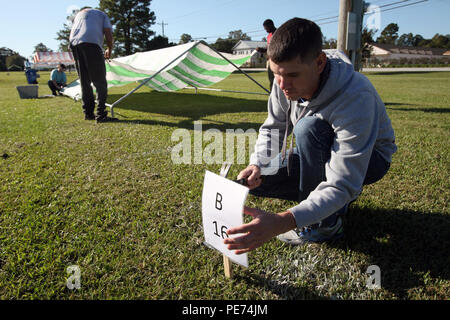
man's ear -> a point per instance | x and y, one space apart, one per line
321 61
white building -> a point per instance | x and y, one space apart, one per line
391 52
247 47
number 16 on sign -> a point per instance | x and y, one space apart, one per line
222 208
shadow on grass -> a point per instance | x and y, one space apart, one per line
405 245
284 290
432 110
189 124
398 104
393 73
191 106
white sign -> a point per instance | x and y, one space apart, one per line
222 208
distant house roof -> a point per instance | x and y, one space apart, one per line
389 48
14 67
249 45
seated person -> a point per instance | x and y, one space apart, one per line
58 79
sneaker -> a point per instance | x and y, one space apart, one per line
89 117
313 234
105 119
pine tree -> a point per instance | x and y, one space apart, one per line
131 20
63 35
40 47
389 35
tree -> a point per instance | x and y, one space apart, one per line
5 53
329 43
185 38
406 40
131 20
440 41
159 42
63 35
424 42
389 35
417 40
40 47
366 41
238 35
226 45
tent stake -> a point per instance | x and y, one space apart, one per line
227 264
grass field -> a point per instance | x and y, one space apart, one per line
108 198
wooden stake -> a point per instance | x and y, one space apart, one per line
228 267
227 264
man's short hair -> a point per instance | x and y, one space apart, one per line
63 66
296 37
268 23
85 7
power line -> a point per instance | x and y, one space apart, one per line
163 24
199 10
382 6
405 5
392 3
334 17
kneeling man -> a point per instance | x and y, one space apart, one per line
343 140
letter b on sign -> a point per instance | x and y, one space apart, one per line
218 201
374 280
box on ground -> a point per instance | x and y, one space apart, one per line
28 92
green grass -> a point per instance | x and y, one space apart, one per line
108 198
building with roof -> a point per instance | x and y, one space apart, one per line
384 52
258 60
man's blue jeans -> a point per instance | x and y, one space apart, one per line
314 138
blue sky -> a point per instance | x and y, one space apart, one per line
23 24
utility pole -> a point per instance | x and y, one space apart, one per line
344 8
351 14
163 24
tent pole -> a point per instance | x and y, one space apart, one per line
147 80
239 69
222 90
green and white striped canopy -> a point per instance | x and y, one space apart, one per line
191 64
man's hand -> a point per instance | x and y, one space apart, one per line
253 175
261 229
109 42
107 54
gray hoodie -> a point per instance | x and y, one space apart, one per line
353 108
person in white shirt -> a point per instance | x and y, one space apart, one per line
89 28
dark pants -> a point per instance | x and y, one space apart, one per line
52 87
314 138
90 64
